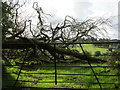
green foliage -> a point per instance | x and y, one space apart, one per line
118 46
114 59
97 53
7 22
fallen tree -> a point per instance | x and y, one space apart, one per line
30 43
44 34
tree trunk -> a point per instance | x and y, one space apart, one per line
25 43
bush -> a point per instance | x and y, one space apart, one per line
114 59
97 53
105 54
110 49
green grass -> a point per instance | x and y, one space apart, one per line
90 48
69 81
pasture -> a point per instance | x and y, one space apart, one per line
69 81
35 76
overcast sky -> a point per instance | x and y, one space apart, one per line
79 9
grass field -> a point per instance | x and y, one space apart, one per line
90 48
70 81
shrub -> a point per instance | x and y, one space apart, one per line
110 49
97 53
114 59
105 54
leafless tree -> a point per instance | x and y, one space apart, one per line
67 32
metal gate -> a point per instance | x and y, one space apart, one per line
56 73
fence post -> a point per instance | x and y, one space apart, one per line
55 65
